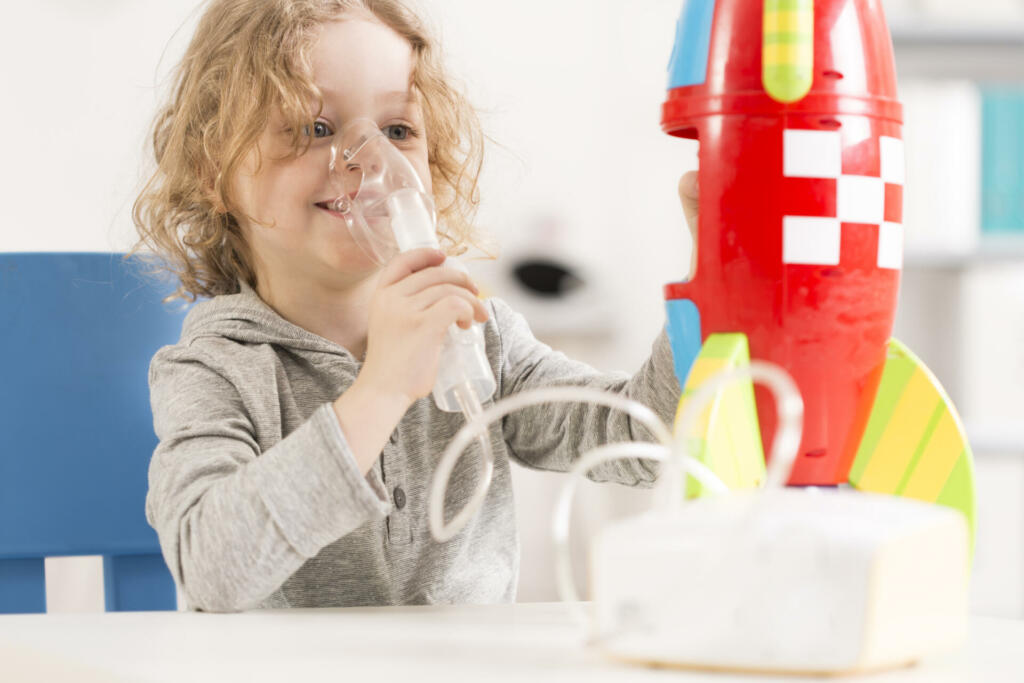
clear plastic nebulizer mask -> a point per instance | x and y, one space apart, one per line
379 193
388 210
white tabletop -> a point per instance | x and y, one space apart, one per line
525 641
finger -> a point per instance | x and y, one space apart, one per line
432 295
409 262
688 185
451 310
689 195
429 277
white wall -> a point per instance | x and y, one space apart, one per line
80 81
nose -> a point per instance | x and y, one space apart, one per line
352 179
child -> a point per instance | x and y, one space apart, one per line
297 434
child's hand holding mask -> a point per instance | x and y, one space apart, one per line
416 301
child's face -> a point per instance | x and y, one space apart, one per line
363 69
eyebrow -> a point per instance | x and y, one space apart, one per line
404 96
393 95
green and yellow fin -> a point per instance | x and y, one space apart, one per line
726 437
915 445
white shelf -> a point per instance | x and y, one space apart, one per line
979 53
989 438
992 249
929 36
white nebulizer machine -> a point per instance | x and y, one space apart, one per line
778 580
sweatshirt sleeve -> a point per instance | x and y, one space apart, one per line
553 436
235 523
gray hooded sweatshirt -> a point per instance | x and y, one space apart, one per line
256 496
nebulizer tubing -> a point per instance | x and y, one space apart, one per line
789 407
477 428
387 209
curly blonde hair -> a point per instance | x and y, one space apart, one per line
246 59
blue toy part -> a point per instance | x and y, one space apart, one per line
688 64
76 431
683 328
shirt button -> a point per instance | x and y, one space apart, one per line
399 496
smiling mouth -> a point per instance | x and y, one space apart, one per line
328 207
377 217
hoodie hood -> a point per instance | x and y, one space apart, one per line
246 318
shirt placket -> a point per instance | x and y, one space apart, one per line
399 525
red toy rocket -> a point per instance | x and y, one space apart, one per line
799 243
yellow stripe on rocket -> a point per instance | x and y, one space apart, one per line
787 56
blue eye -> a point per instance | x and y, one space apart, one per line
320 130
398 132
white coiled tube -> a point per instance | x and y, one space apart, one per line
669 450
476 427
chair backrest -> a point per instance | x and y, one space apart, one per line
77 332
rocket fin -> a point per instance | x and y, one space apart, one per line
726 437
915 445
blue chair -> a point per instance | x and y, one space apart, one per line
77 332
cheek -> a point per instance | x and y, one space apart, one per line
419 156
255 194
242 191
423 170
